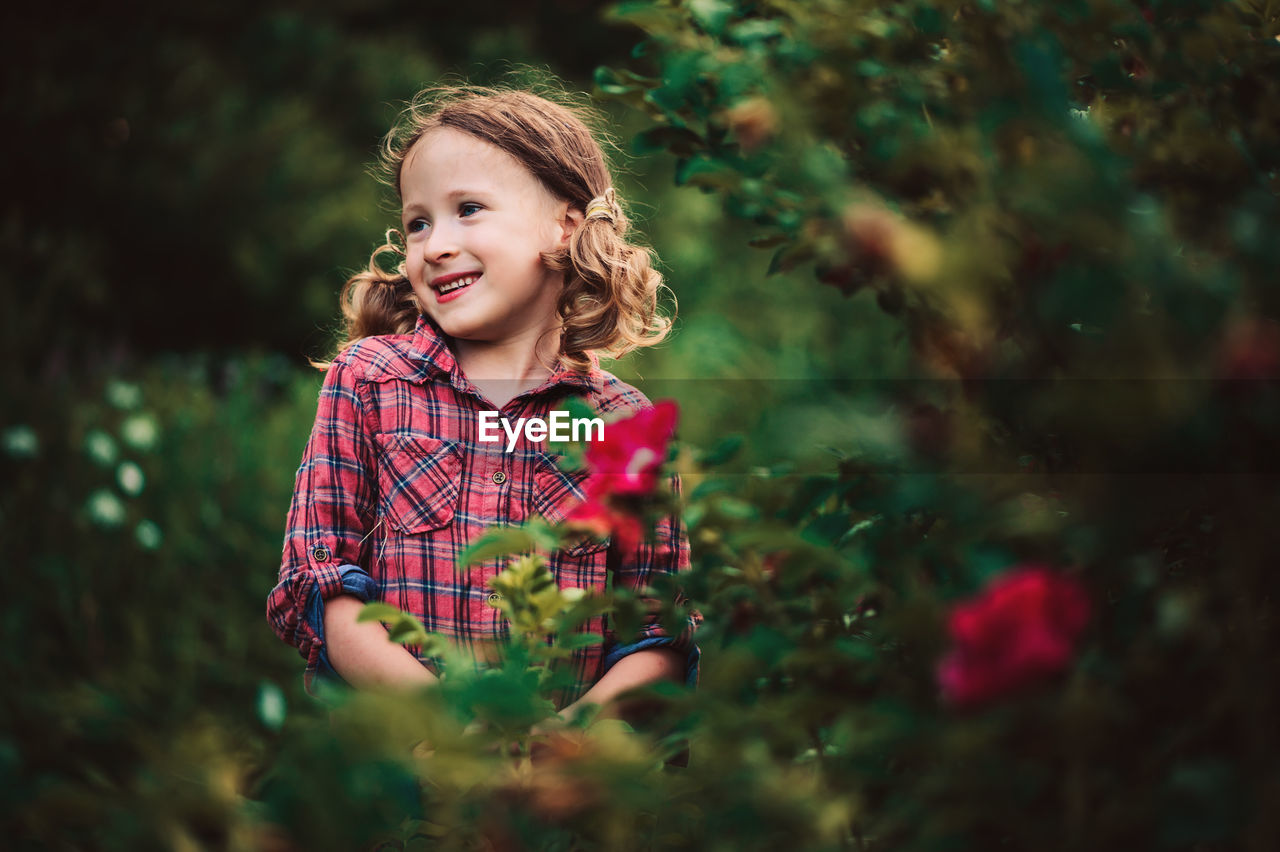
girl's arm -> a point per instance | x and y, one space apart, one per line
634 670
333 509
652 655
362 654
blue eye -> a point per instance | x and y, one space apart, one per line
416 225
468 206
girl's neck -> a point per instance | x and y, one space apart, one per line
504 370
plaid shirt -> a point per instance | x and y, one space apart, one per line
394 484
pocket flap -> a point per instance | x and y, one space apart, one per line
420 478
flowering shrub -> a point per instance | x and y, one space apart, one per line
1041 198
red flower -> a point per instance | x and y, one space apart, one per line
1021 629
629 458
624 470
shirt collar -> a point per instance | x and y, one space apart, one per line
430 346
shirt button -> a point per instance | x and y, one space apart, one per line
495 598
321 553
499 477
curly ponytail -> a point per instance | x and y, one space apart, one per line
375 301
610 298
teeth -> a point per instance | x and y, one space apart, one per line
458 284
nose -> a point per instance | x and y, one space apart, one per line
440 244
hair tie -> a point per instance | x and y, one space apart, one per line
603 206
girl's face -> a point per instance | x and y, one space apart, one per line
475 222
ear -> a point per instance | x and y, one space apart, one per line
569 220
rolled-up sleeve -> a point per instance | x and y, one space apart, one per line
328 523
666 553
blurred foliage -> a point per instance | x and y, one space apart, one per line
1066 208
137 515
1011 301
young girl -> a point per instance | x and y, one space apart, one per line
516 271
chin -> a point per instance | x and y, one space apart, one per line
462 330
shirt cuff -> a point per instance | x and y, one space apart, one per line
691 661
355 581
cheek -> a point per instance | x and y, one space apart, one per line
416 271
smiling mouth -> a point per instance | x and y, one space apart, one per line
457 284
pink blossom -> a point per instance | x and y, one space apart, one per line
1021 629
630 457
624 470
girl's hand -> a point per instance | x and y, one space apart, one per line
550 725
556 735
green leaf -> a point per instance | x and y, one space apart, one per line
407 632
731 507
578 408
545 538
626 87
680 141
571 454
859 527
401 626
789 257
707 174
380 612
574 641
711 15
708 487
826 529
724 450
495 542
754 30
650 17
768 241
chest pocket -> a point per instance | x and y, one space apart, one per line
556 493
419 477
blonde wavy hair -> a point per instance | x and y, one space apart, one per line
610 299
